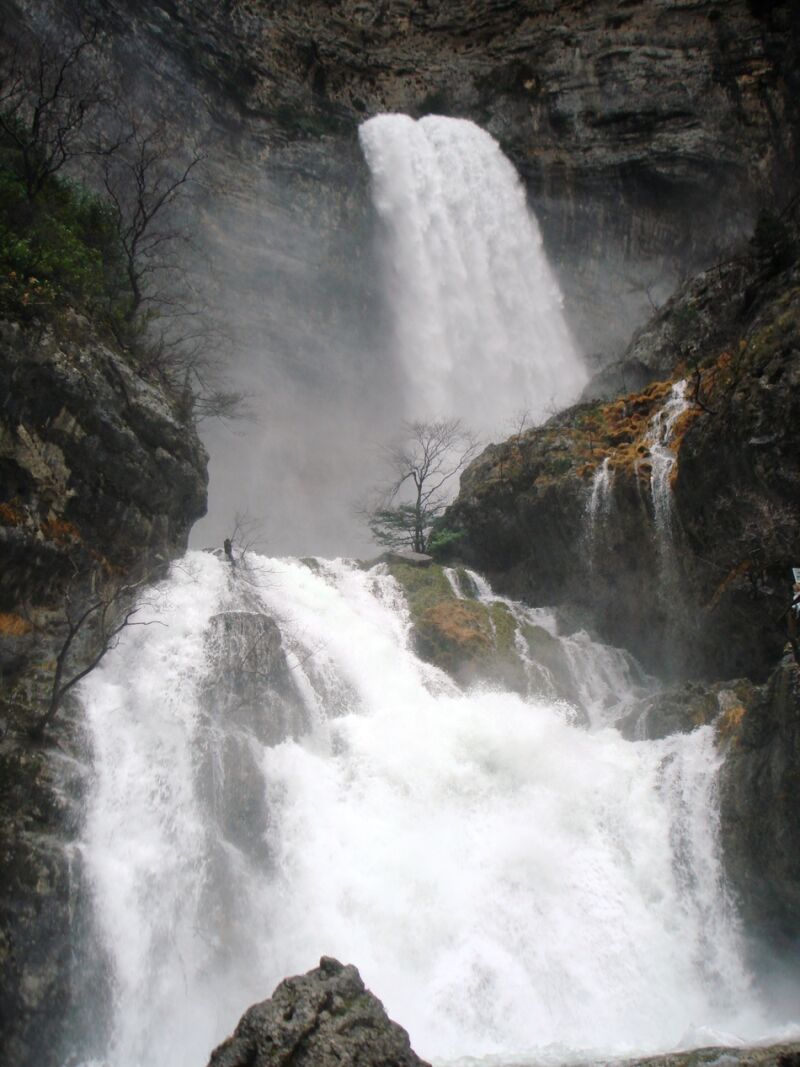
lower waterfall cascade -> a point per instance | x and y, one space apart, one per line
512 884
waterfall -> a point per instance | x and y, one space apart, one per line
663 458
599 504
510 884
477 311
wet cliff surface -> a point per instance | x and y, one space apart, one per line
705 596
101 481
691 572
648 135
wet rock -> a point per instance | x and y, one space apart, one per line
707 600
100 479
783 1055
471 641
646 137
759 786
325 1018
250 701
682 708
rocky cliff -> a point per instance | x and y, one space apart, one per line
101 480
570 511
669 518
648 134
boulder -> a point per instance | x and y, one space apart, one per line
325 1018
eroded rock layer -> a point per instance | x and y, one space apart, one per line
100 481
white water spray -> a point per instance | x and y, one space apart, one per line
477 310
508 884
663 458
598 506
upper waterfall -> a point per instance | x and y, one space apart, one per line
477 311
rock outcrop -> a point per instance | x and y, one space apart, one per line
325 1018
482 643
759 786
100 481
783 1055
566 512
647 137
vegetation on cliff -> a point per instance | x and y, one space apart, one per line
719 610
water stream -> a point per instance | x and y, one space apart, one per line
663 458
477 310
511 883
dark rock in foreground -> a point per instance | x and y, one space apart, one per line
323 1018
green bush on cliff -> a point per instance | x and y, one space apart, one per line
56 250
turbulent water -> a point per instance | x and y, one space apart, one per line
479 326
509 882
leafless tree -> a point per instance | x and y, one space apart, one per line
97 620
424 466
143 180
47 91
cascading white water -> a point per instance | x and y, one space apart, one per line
477 310
598 505
508 883
663 458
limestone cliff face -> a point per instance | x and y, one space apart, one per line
648 133
101 480
708 598
565 514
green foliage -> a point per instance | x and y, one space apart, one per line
400 527
57 249
443 542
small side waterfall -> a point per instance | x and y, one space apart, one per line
477 310
598 505
663 458
510 884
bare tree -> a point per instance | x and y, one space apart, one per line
47 91
98 620
143 180
424 467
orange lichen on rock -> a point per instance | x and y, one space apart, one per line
626 422
14 625
730 577
460 625
60 530
10 515
729 722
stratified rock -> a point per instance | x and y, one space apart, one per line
93 459
759 787
325 1018
783 1055
648 135
680 709
99 476
707 600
